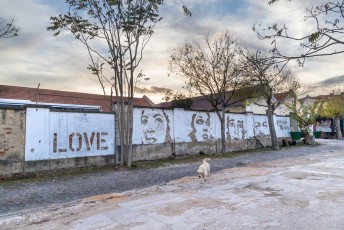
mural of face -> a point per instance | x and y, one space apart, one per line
259 128
282 124
154 127
201 127
324 125
235 129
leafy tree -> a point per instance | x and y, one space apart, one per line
269 79
334 108
8 29
115 33
305 114
178 100
326 38
211 69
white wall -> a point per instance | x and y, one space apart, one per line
157 126
57 135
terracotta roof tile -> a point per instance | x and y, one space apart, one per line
62 97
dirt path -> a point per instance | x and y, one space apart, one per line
304 192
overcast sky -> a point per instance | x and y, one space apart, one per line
60 63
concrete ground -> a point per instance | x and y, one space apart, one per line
295 193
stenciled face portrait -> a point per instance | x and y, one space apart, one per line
201 127
282 124
154 127
259 128
235 129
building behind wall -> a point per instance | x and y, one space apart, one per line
43 96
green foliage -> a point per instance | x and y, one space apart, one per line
305 113
333 107
326 16
314 36
182 103
178 100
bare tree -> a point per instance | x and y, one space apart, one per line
326 39
8 29
269 78
115 34
210 68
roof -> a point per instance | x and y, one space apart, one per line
64 97
281 97
201 103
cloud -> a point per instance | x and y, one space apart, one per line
151 90
60 62
333 81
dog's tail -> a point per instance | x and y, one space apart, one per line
206 159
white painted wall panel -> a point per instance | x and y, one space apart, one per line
81 134
260 125
56 135
236 126
152 126
282 126
249 125
179 126
37 136
200 126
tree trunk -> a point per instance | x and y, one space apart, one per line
338 129
130 131
223 133
122 132
273 135
309 139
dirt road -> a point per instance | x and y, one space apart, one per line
300 192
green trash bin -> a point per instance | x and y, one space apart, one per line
317 134
295 135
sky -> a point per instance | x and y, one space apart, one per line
60 63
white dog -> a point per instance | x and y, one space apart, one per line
204 169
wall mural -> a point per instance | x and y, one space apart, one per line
155 126
158 126
282 126
201 127
260 126
323 125
235 127
59 135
